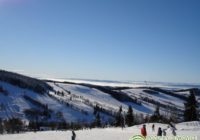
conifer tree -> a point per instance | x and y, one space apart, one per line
98 120
119 118
190 113
130 117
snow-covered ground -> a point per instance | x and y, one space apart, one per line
14 104
75 102
94 96
184 129
81 101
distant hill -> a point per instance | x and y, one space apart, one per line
48 100
24 81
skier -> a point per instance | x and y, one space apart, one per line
144 131
153 127
159 132
73 135
164 132
173 131
173 127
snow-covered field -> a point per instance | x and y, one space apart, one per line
76 102
81 101
184 129
14 104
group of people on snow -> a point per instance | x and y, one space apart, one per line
161 132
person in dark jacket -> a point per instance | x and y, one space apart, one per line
153 127
73 135
144 131
159 132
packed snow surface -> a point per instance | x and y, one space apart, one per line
184 129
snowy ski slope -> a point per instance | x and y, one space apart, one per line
191 129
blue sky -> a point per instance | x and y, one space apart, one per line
145 40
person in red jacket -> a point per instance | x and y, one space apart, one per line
144 131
